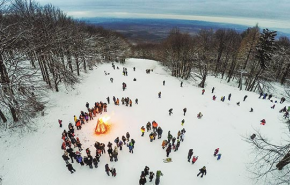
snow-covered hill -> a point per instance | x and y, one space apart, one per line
35 158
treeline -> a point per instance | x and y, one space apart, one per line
252 58
40 48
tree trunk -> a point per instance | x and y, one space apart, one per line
13 113
85 65
204 74
3 117
78 65
284 161
69 61
286 72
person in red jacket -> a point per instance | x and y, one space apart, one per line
263 122
194 159
216 151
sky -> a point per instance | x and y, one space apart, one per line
267 13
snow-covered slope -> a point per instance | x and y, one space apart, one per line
35 158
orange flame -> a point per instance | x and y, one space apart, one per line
102 125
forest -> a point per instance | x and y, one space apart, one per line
40 48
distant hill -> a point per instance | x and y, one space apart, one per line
155 30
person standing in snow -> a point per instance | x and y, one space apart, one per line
194 159
113 172
169 137
216 151
273 106
203 90
164 143
251 109
158 175
182 122
142 180
65 157
159 95
170 111
115 154
245 97
212 90
142 130
181 83
219 156
159 132
108 100
168 150
107 169
70 167
229 97
199 115
136 101
131 147
261 94
60 123
184 111
202 171
214 97
282 100
163 82
148 126
151 176
128 136
190 153
177 145
263 122
71 154
146 170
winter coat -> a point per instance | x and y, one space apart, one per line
65 157
154 124
190 152
168 149
69 167
164 143
142 129
203 170
158 174
159 130
142 181
79 158
107 168
194 159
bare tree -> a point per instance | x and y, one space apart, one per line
271 163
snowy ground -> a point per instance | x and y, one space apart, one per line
35 158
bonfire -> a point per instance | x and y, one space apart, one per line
102 125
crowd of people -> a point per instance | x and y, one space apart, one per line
72 145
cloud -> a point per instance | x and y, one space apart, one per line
267 13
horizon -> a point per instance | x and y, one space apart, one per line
265 13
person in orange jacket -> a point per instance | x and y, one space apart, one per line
130 103
154 125
78 125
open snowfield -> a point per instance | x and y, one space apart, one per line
35 158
